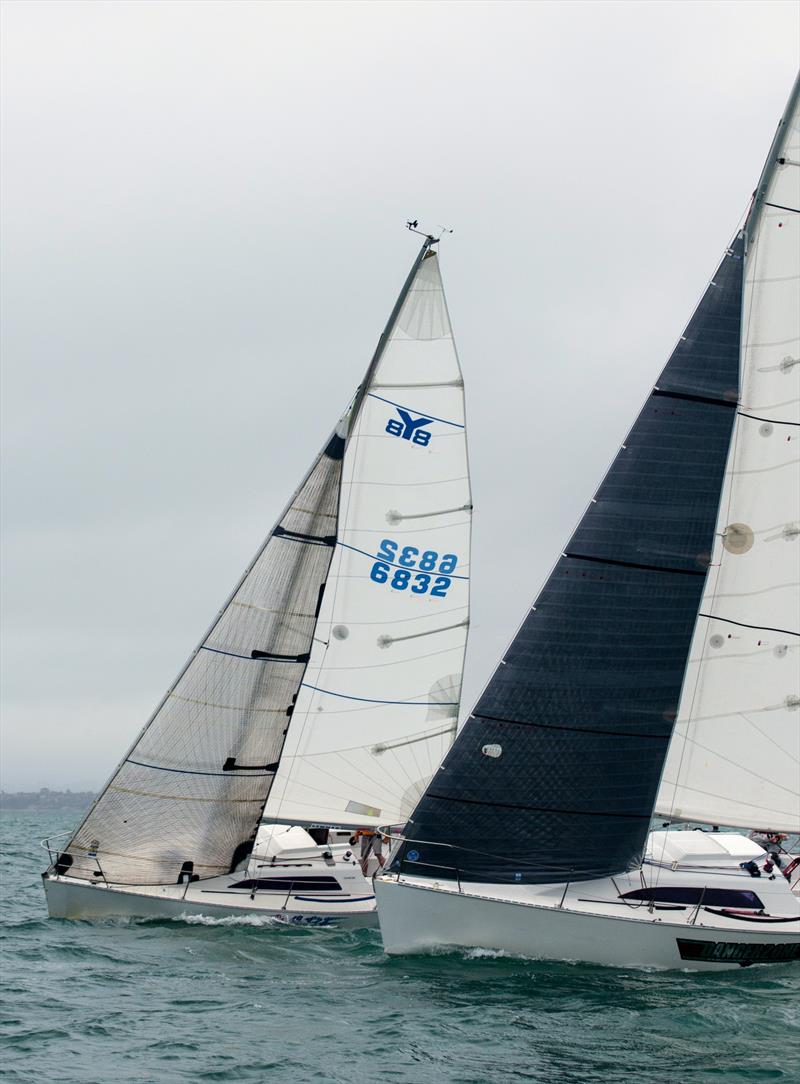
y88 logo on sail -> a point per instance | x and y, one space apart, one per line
412 569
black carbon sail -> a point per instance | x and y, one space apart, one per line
554 775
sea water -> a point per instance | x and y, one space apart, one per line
241 1001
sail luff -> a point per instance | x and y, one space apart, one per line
387 331
771 162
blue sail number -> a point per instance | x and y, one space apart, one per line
399 569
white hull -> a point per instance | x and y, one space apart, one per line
591 922
68 898
289 879
416 918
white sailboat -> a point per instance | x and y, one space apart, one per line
656 672
326 691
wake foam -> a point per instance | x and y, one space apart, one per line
230 920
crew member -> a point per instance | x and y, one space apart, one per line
371 843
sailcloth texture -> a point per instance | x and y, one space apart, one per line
735 756
554 775
333 672
193 786
379 703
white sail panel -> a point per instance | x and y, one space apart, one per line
187 798
734 757
378 707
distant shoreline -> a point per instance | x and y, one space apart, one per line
46 801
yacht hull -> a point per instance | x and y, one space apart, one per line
418 917
72 899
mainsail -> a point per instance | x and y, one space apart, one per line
368 562
554 775
734 758
378 707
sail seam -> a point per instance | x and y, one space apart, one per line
635 564
370 700
711 400
771 421
781 207
250 658
394 485
188 771
227 707
742 625
422 413
433 384
383 561
541 808
575 729
180 798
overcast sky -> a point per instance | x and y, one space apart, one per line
203 208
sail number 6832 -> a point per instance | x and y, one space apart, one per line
415 569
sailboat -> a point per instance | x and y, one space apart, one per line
326 690
656 672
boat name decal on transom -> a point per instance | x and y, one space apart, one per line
720 952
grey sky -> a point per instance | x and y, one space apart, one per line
202 238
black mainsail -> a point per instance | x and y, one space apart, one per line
554 775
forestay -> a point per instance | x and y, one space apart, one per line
735 756
379 702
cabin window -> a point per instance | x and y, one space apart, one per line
284 884
714 897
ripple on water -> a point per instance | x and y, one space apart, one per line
171 1001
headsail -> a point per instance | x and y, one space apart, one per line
379 703
188 797
554 775
192 787
735 756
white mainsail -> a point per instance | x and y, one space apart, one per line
734 758
378 706
360 590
